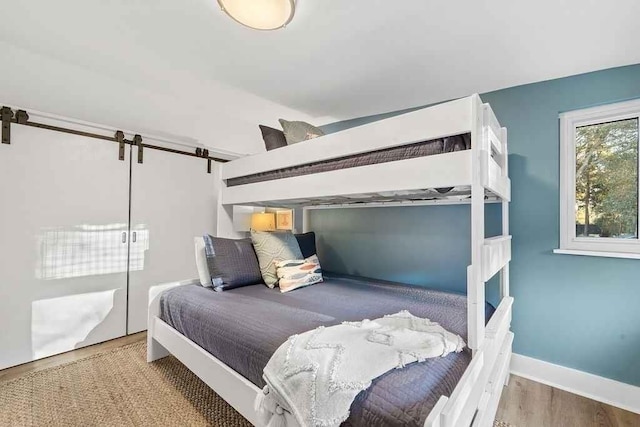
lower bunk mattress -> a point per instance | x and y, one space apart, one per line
243 327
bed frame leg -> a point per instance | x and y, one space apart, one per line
155 350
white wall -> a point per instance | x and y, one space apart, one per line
170 102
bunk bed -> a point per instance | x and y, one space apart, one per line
397 161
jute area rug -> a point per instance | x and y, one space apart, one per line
116 388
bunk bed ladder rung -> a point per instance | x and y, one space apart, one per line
496 254
493 178
493 159
501 319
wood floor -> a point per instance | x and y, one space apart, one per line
527 403
524 403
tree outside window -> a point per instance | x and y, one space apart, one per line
606 187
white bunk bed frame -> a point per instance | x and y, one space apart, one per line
483 169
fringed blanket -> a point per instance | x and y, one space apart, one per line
315 376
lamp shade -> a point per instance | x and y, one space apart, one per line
260 14
263 221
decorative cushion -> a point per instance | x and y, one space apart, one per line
273 138
271 247
232 263
299 131
201 262
294 274
307 242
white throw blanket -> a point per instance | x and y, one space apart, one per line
315 376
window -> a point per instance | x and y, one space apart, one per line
599 187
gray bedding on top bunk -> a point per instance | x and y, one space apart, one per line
243 327
420 149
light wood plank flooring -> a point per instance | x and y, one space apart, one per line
527 403
524 403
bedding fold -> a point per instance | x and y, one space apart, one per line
316 375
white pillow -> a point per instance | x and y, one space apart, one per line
201 263
296 273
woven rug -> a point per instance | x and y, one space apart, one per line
116 388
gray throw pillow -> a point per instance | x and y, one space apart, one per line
232 263
273 138
299 131
271 247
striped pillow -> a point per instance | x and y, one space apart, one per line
295 273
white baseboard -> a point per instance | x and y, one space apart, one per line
615 393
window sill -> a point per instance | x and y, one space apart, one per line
626 255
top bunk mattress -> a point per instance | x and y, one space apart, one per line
403 152
243 327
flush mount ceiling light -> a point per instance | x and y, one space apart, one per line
260 14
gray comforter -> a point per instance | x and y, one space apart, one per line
243 327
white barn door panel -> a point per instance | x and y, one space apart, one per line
172 201
63 261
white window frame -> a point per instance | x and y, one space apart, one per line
569 242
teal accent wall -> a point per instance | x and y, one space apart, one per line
399 244
576 311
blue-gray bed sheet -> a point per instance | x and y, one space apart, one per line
243 327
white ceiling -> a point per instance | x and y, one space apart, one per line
337 59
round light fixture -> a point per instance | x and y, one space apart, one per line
260 14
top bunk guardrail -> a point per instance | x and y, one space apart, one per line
411 179
494 156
